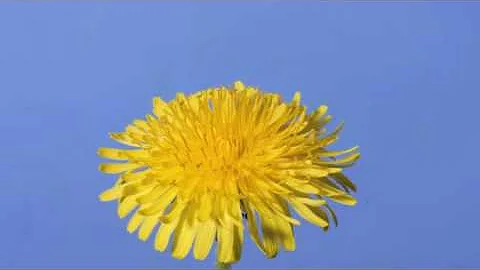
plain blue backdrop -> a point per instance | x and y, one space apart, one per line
404 77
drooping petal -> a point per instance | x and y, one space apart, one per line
183 239
163 235
307 213
269 231
135 222
147 227
126 206
252 224
204 240
225 236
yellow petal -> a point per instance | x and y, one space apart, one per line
123 139
126 206
337 153
239 85
120 154
204 240
158 106
147 227
319 112
114 168
237 242
304 188
310 201
135 222
326 187
205 210
153 195
332 213
111 194
272 208
344 162
343 199
296 99
183 239
135 176
313 172
225 247
142 124
332 137
308 215
163 235
252 224
284 233
269 229
278 113
163 202
343 179
320 213
111 153
175 212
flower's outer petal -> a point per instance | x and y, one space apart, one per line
318 211
343 179
314 119
112 153
161 204
326 187
126 206
135 222
158 106
225 235
153 195
343 199
332 214
142 124
115 168
285 229
308 215
269 231
239 85
296 99
332 137
204 239
163 235
135 176
319 113
344 162
147 227
123 138
183 239
303 188
337 153
174 213
285 234
237 242
310 201
111 194
313 172
252 224
120 154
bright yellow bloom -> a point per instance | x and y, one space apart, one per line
204 166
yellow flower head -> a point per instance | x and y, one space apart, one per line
204 166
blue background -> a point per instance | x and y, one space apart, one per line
404 76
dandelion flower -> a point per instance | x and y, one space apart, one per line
206 168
